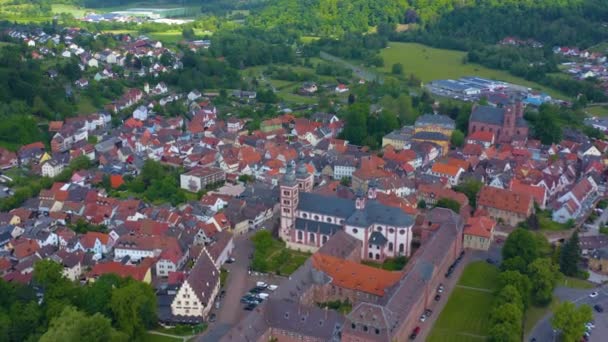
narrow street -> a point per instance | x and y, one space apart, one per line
238 282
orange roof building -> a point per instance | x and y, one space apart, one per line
354 276
478 232
503 205
539 193
116 181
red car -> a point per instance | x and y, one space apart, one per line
415 333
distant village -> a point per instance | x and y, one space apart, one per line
344 204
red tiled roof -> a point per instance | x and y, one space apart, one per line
24 247
480 226
505 200
116 181
537 192
446 169
484 136
351 275
113 267
89 238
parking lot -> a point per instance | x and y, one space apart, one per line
544 332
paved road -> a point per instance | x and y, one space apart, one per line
238 283
594 228
230 311
543 330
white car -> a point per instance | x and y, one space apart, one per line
272 287
261 284
593 294
589 325
422 318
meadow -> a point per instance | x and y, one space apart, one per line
430 64
475 299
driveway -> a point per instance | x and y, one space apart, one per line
543 330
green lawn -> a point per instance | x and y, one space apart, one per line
452 325
575 283
167 37
271 255
430 64
76 11
479 274
159 338
597 110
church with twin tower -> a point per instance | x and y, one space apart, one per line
308 219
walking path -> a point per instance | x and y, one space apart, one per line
474 288
177 337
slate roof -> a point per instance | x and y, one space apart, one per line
326 205
203 278
377 239
316 226
376 212
430 136
435 119
488 114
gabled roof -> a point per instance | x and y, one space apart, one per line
481 226
506 200
352 275
446 169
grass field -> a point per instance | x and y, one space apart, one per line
76 11
575 283
454 326
597 110
430 64
167 37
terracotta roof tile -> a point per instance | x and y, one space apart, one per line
480 226
351 275
505 200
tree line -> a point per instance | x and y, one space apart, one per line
57 309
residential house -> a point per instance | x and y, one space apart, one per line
505 205
448 171
479 233
198 178
196 295
576 202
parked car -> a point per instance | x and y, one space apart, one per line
593 294
272 287
437 297
250 307
428 312
263 295
440 288
598 308
212 318
261 284
230 260
490 261
590 325
415 333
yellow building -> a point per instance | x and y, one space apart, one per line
479 232
435 123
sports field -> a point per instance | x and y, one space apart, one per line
430 64
473 295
